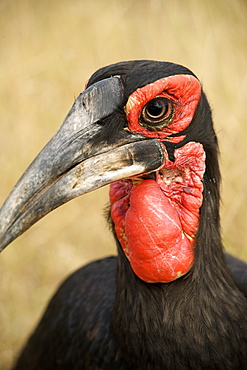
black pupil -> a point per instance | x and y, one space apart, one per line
156 109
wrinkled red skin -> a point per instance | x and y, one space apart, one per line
156 220
183 90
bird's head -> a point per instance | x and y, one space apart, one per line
144 127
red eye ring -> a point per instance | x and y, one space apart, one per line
183 91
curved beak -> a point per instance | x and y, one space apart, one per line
77 160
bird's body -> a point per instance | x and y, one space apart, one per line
147 327
168 300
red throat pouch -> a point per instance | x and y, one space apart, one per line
156 220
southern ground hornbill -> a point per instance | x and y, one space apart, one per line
168 300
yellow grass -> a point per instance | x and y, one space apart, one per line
48 49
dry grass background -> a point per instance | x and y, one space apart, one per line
48 49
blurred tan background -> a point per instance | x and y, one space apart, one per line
48 49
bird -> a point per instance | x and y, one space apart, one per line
171 298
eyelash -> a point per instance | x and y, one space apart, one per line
157 113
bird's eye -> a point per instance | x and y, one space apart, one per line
157 113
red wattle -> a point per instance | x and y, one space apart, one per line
156 220
156 241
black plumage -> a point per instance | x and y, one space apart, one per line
105 317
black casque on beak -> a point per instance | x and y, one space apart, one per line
74 163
